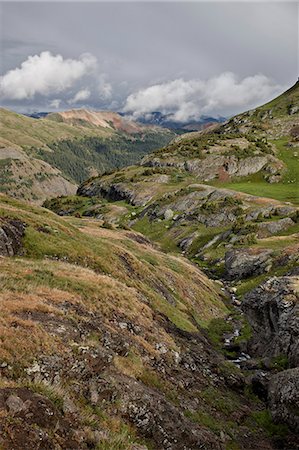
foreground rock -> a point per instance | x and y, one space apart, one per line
246 262
11 233
284 398
30 420
272 310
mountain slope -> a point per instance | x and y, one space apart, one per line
76 144
119 354
187 195
227 198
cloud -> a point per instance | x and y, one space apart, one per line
189 100
45 74
104 88
55 103
81 95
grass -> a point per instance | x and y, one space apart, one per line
264 420
157 231
216 329
286 191
102 269
208 420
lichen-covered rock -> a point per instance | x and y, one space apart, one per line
156 418
11 234
272 310
283 398
245 262
268 228
30 420
115 192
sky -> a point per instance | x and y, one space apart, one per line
186 59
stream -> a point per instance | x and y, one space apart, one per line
229 339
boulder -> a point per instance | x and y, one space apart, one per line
245 262
283 397
11 234
272 310
266 229
168 215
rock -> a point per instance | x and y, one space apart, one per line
11 234
293 110
15 404
245 262
260 384
186 243
32 421
266 229
168 215
115 191
284 398
158 419
35 368
272 310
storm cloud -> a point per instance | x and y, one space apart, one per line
189 100
186 59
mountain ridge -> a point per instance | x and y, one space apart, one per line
72 145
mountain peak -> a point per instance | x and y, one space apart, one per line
104 119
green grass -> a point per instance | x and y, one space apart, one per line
216 329
157 231
264 420
286 191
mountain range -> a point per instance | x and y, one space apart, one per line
162 299
49 156
167 121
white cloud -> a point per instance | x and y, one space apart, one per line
45 74
55 103
189 100
103 87
81 95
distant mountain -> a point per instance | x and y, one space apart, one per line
166 121
43 157
37 115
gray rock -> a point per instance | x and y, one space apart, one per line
168 215
266 229
15 404
245 262
11 234
283 398
272 310
186 243
293 110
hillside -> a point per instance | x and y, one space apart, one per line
162 299
227 199
120 353
208 193
41 158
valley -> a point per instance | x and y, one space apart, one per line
161 298
47 157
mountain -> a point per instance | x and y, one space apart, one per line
49 156
227 199
162 300
167 121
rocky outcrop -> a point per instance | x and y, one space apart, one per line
156 418
266 229
11 234
114 192
209 167
272 310
283 397
31 420
246 262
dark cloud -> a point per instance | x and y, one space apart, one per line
138 45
